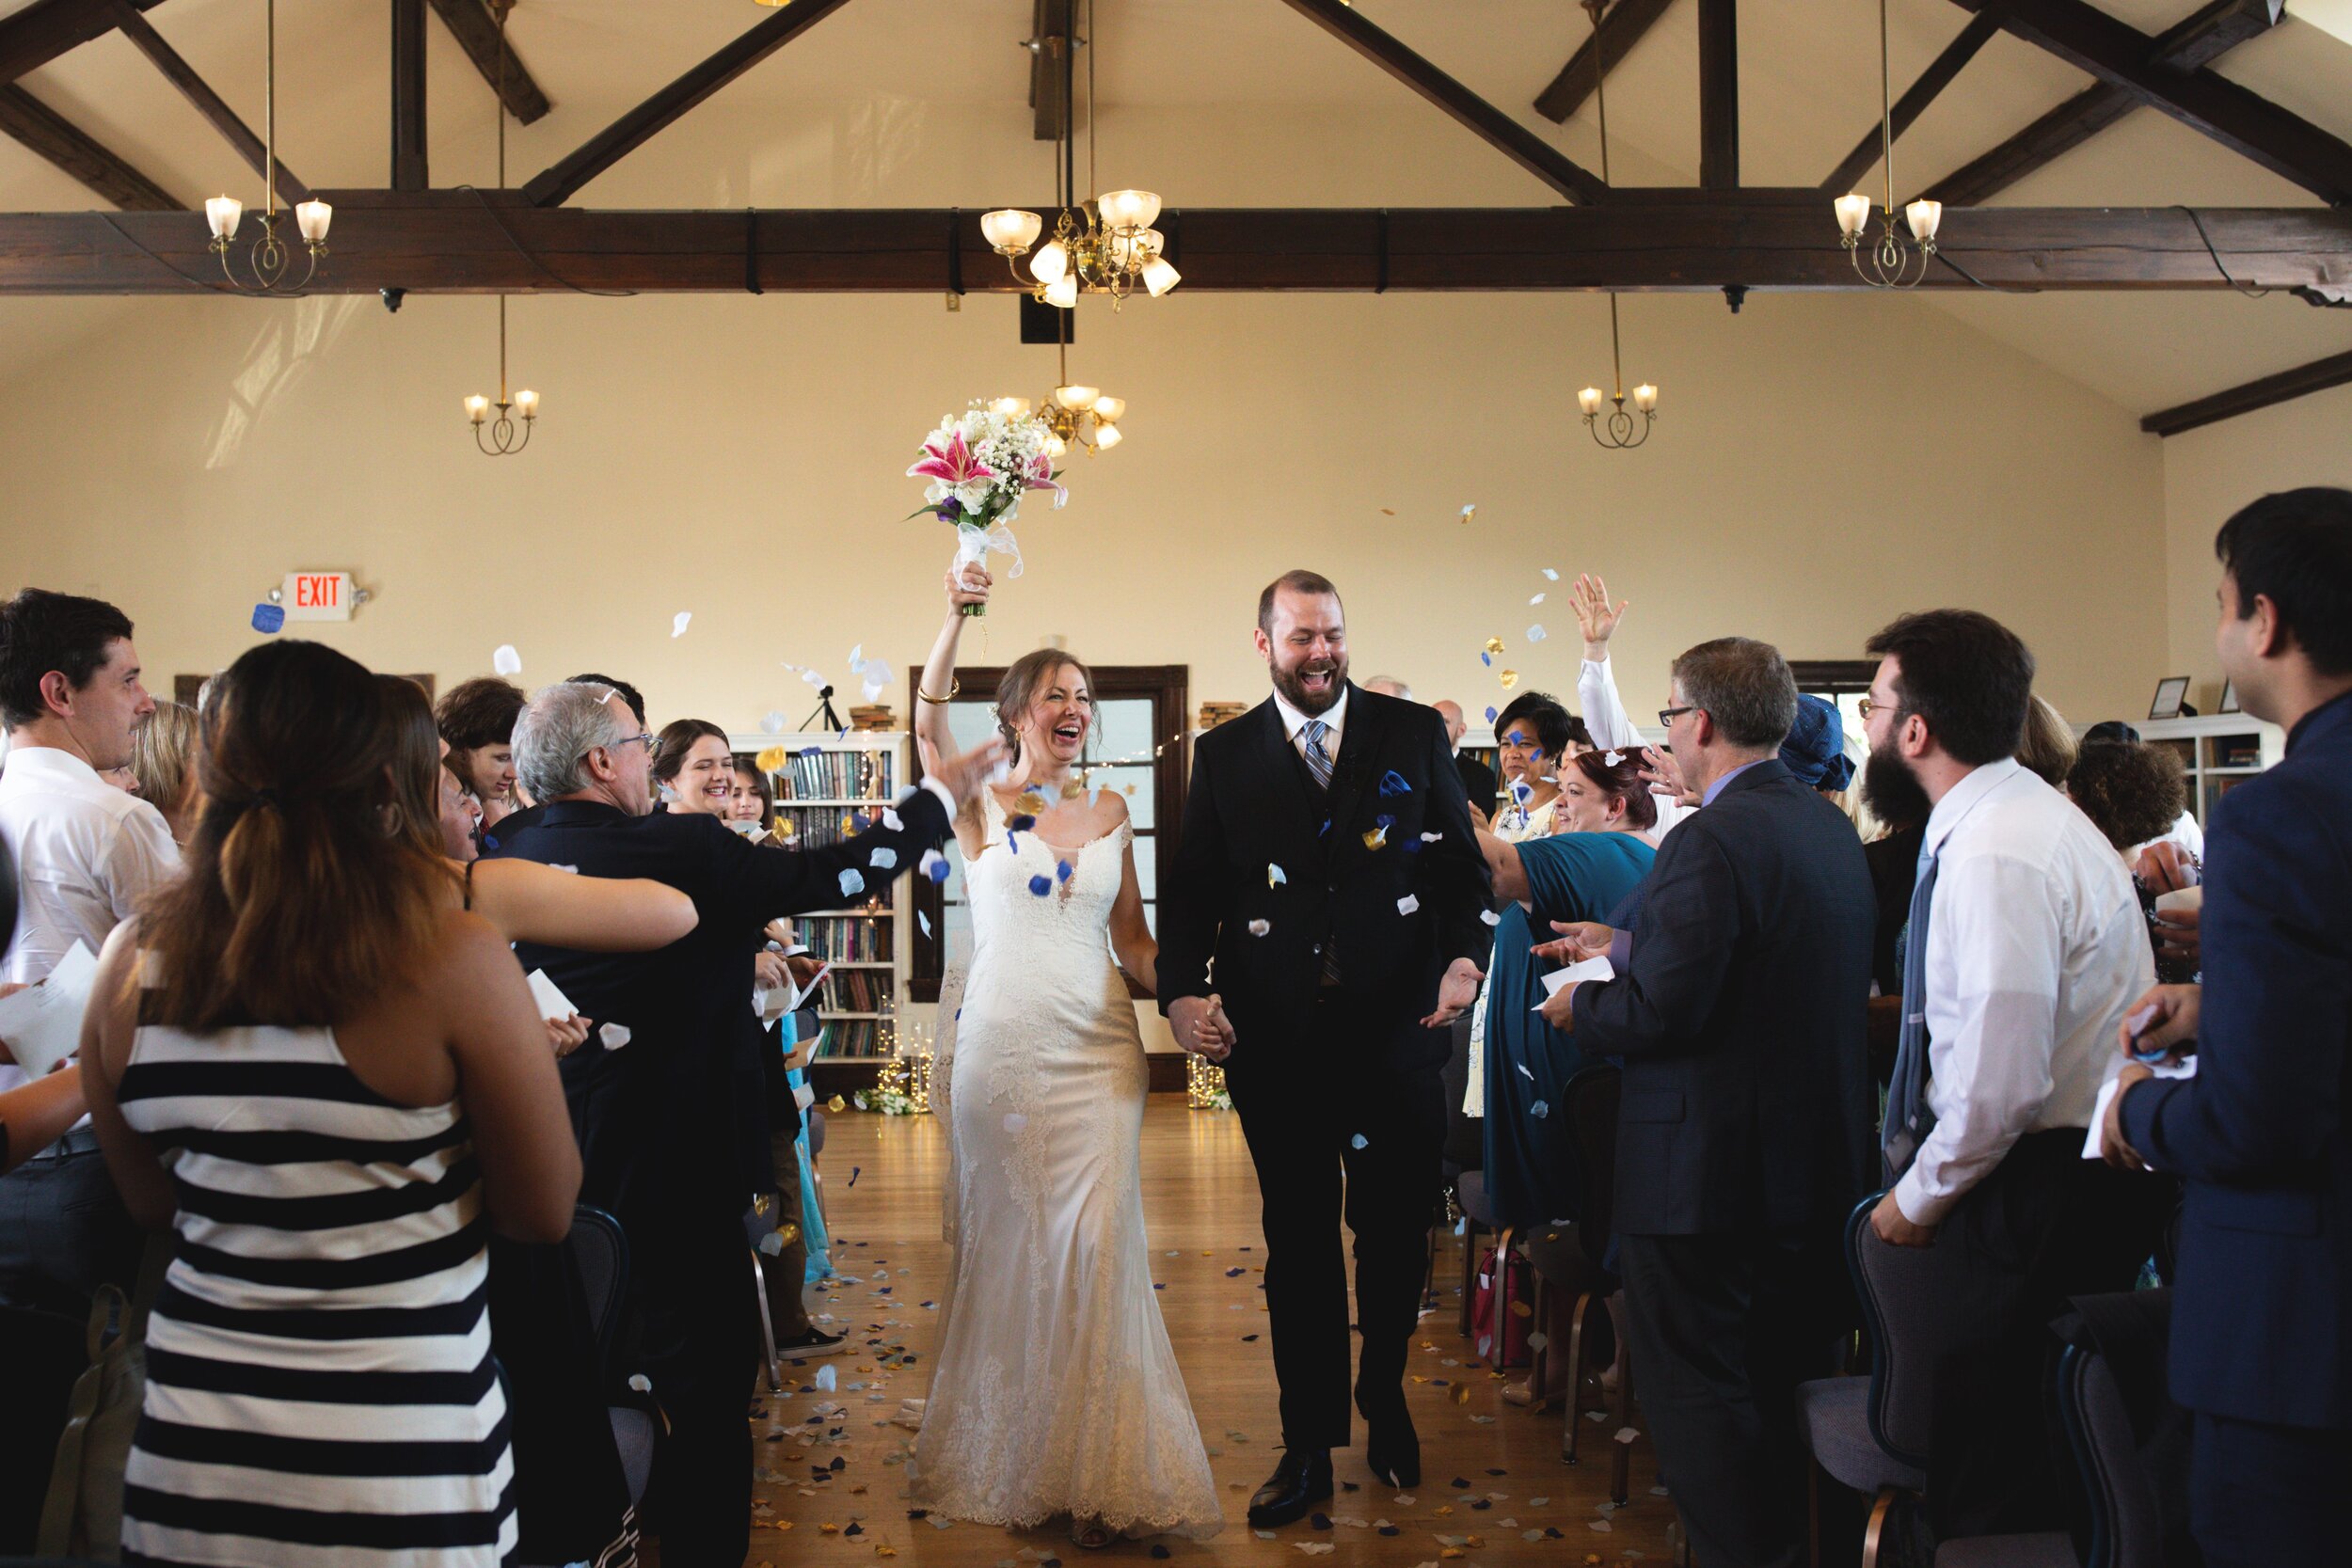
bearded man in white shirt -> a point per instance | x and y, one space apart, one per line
86 853
2026 948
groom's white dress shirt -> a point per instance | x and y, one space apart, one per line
1295 724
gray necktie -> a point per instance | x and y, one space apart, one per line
1908 1118
1318 760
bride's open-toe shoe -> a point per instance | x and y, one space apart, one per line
1091 1534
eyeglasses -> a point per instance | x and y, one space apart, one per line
644 737
1866 707
1666 716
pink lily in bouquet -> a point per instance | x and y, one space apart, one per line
1041 477
959 481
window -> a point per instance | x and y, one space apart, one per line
1138 746
1842 681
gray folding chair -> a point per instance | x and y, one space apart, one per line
2126 1524
759 1222
600 1253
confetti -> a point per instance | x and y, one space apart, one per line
827 1378
1063 871
772 722
852 882
1539 1110
1550 575
882 858
1259 928
641 1383
1490 716
1494 644
876 678
614 1036
771 760
1626 1434
923 920
837 1104
853 1170
506 662
1022 823
1538 599
678 623
1537 633
1275 875
1509 678
1040 884
890 820
1490 917
1393 784
935 866
1407 904
268 617
810 752
1377 839
1359 1141
857 658
1433 838
1613 758
1469 511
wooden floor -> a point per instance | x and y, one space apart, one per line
1491 1472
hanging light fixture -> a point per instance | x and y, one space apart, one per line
1073 414
502 436
270 259
1618 430
1888 264
1104 244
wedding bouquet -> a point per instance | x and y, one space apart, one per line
981 463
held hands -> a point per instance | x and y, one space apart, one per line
1590 597
567 1034
1580 940
968 587
1456 994
1200 1027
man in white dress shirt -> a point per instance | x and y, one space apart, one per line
2026 948
86 853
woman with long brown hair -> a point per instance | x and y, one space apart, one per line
328 1077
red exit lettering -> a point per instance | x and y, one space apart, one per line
317 592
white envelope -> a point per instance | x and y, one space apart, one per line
42 1023
1576 973
553 1003
2107 1097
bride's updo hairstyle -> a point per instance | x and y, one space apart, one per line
1031 673
303 894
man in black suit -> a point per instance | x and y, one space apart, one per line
1329 867
1478 780
654 1095
1744 1132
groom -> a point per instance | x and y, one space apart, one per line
1328 868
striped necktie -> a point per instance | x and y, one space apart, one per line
1318 760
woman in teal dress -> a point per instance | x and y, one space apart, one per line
1580 873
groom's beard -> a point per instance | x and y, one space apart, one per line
1293 690
1892 791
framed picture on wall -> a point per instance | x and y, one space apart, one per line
2171 693
2229 697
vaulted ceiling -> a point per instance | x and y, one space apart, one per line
865 78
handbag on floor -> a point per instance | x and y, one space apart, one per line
1506 1345
83 1516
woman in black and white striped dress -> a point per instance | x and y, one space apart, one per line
331 1081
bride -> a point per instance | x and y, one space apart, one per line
1054 1389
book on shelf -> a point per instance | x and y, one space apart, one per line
814 827
844 775
848 1037
855 991
846 938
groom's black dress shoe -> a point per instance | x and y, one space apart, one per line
1392 1447
1302 1480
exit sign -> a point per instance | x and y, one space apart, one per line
317 595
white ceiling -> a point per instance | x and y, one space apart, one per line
1808 81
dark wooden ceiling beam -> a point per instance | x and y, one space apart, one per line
1719 94
1621 27
1049 42
56 138
466 242
2262 392
2187 45
476 30
48 28
562 180
199 92
1506 135
1913 102
409 168
2122 56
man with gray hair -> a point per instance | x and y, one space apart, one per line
668 1144
1744 1129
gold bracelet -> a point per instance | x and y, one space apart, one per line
954 686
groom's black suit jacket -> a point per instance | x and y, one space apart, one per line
1252 804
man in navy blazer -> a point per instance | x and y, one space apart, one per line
2261 1321
666 1137
1744 1126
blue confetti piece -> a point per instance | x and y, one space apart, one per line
859 822
1063 871
1012 844
1359 1141
852 882
489 843
853 1170
1410 845
935 866
1386 819
1539 1110
1394 784
1040 884
882 858
1022 824
1325 829
1487 659
269 617
1490 716
1516 738
811 751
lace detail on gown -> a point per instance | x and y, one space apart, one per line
1055 1389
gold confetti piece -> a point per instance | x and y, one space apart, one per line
1073 788
789 1232
1461 1393
1510 678
771 760
1421 1380
1469 511
1443 1508
837 1104
829 1530
1031 802
1520 1309
1450 1553
1494 644
1377 839
881 1550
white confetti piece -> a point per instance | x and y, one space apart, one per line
678 622
1469 511
1626 1434
1259 928
1601 1525
1539 1110
882 858
1538 599
772 722
1359 1141
773 1243
1536 634
852 882
1613 758
1276 875
1433 838
506 662
923 920
614 1036
573 869
890 820
1490 917
812 677
1538 1502
641 1383
827 1378
1550 575
875 679
1407 904
857 658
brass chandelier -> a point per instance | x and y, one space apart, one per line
1073 414
1617 431
270 259
1104 244
502 436
1888 264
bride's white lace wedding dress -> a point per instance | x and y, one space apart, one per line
1054 1389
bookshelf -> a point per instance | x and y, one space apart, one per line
827 782
2220 750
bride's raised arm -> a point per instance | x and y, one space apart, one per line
933 738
